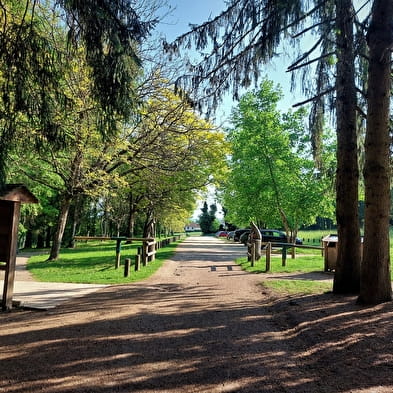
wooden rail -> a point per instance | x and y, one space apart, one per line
285 246
148 250
146 253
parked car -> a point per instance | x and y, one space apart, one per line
221 234
275 236
270 235
238 233
230 235
244 237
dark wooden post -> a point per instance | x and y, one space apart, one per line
144 252
137 262
127 265
9 212
252 252
284 256
268 249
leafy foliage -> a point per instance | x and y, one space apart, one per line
272 179
33 58
207 219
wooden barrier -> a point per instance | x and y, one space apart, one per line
145 254
148 251
127 265
137 262
285 246
268 249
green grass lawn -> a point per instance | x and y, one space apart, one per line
94 263
297 287
306 261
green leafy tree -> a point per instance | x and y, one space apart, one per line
32 64
273 180
207 218
171 154
79 166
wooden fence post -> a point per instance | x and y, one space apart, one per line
127 265
284 256
253 247
144 253
268 249
137 262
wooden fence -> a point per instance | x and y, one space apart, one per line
145 254
267 247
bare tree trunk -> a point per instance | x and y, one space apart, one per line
375 274
61 223
347 274
76 214
131 217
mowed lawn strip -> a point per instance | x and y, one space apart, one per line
290 285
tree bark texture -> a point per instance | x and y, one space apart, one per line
347 274
131 217
375 274
61 223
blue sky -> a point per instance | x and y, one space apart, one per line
186 12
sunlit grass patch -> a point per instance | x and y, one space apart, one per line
297 287
304 263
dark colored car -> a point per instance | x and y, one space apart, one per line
238 233
244 237
270 235
275 236
230 235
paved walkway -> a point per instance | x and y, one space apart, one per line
33 294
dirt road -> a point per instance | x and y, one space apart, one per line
198 325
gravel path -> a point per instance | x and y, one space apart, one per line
198 325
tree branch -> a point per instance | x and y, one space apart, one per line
315 97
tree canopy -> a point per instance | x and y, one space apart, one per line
273 179
33 57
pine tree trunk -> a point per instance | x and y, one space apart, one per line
375 274
347 274
61 223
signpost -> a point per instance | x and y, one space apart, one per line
11 197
